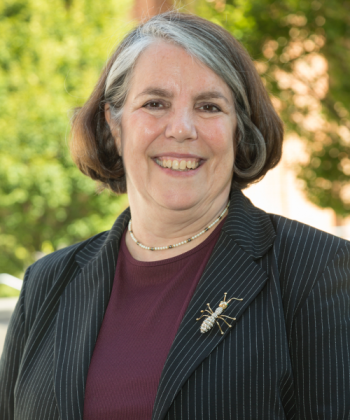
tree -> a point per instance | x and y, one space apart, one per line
51 53
302 51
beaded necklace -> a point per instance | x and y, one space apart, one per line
159 248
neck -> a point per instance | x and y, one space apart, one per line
156 226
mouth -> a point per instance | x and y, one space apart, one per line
179 165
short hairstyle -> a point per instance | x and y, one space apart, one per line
259 133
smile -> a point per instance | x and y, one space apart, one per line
183 165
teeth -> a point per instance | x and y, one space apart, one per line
183 164
178 165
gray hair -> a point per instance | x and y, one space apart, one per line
205 45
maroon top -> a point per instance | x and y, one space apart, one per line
147 304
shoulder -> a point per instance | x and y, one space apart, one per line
48 273
57 260
303 243
46 279
305 255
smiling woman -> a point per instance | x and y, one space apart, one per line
185 160
258 131
108 328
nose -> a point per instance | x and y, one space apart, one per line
180 126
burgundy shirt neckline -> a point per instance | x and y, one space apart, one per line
170 260
147 304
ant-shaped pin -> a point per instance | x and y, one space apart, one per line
213 316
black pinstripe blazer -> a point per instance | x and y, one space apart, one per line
287 356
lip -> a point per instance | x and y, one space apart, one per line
178 156
177 174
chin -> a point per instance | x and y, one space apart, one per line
179 201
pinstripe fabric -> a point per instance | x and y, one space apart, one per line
286 357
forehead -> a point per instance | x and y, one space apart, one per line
172 68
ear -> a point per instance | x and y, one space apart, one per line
113 127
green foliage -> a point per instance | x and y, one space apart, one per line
302 52
51 54
7 291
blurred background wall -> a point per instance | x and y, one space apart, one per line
51 54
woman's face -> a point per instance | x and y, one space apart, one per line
177 131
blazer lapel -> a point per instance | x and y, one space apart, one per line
246 235
81 311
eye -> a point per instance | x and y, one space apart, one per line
210 108
154 105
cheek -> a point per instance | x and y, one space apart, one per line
220 139
149 132
140 131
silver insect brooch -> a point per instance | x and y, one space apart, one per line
208 323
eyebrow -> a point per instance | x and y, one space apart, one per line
211 94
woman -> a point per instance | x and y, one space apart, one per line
112 327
